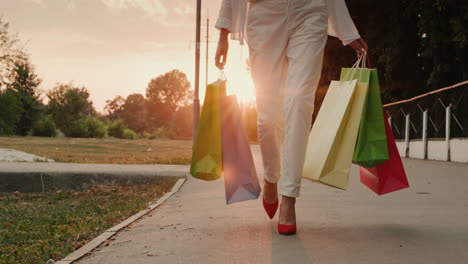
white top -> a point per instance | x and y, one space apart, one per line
233 13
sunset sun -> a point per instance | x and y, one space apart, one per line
240 84
237 74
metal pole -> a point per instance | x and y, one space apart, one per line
448 114
196 100
424 133
407 130
207 40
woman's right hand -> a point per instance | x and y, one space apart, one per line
360 46
222 50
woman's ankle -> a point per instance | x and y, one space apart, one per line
272 195
287 211
288 199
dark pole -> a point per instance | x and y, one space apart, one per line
196 100
207 40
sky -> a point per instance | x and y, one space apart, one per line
115 47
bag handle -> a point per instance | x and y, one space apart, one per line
350 74
367 60
362 62
223 77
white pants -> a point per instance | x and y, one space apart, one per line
286 40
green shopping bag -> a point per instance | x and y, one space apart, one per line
207 154
371 145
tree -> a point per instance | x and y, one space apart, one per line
134 112
444 36
390 28
10 111
68 104
25 83
11 52
165 94
180 126
18 76
114 108
417 46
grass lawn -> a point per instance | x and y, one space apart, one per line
36 227
106 151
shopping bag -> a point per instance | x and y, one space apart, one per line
371 145
333 136
206 155
389 176
240 177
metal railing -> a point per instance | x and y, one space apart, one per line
441 114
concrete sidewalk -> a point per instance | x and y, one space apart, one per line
427 223
36 177
57 167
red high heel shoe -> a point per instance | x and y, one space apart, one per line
286 229
270 208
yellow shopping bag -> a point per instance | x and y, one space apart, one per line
207 161
333 137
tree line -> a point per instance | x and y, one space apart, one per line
416 45
164 111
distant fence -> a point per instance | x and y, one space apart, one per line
432 125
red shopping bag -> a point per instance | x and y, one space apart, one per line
389 176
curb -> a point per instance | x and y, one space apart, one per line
91 245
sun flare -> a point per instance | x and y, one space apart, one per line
240 83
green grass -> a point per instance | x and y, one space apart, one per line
36 227
104 151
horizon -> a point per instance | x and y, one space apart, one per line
121 45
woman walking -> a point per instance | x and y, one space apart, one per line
286 40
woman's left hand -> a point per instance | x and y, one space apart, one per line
359 45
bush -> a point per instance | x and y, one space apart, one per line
161 132
96 129
78 128
117 128
89 127
148 135
45 127
129 134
